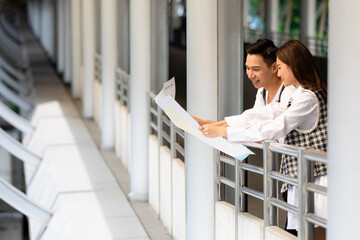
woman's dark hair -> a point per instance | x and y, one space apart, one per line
265 48
294 54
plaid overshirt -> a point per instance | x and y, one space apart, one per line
316 138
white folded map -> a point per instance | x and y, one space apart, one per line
184 121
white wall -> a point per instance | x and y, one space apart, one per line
344 128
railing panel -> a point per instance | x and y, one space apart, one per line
270 195
178 199
154 173
23 204
15 120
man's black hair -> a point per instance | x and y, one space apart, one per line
264 47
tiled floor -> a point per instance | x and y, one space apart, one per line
146 215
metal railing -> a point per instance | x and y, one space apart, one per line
174 138
168 134
24 204
97 65
318 46
122 88
271 178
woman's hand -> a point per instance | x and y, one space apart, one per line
212 130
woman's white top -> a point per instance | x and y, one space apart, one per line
274 121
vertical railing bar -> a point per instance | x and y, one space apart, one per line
217 184
237 179
266 159
272 190
309 198
301 194
276 168
121 89
217 172
242 184
173 155
160 142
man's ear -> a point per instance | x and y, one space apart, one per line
274 67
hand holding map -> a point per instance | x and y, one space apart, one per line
185 122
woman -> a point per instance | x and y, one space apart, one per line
303 124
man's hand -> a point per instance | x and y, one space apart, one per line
203 121
212 130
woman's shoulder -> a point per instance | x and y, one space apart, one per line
304 96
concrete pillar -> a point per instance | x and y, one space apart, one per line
344 128
30 11
230 58
76 47
245 20
160 44
123 35
60 35
43 23
108 53
38 18
67 36
52 27
88 14
140 84
201 101
272 19
308 24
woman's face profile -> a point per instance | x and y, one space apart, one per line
286 74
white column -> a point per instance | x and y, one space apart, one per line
311 19
88 14
202 102
108 53
38 18
308 24
160 44
344 115
272 18
43 23
140 84
245 20
123 41
51 27
76 45
60 35
67 36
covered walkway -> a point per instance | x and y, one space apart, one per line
82 188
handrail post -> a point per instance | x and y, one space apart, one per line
160 142
266 179
272 188
237 188
173 156
308 170
302 194
243 207
122 81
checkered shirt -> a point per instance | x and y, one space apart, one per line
316 139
